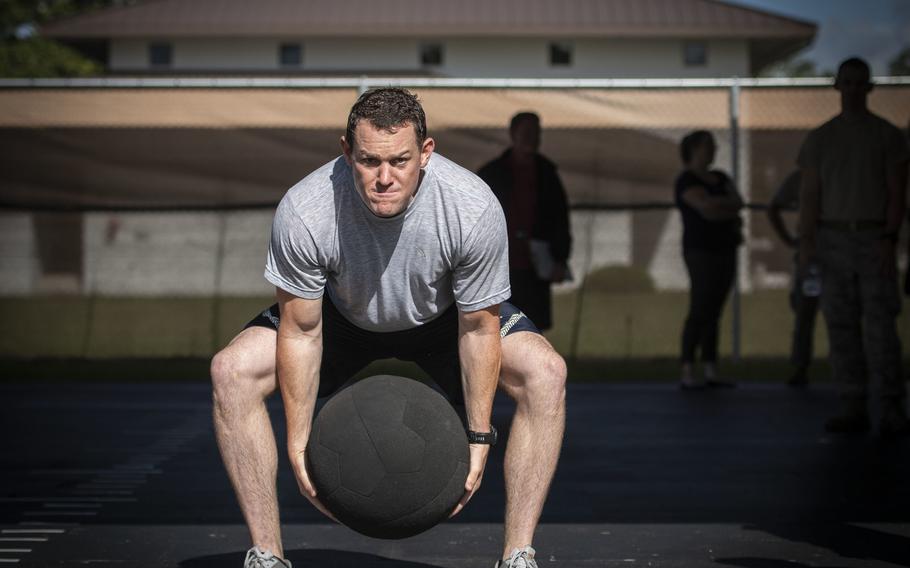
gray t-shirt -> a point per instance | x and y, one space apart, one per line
389 274
852 157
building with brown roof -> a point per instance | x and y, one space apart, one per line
464 38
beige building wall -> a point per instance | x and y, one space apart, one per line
463 57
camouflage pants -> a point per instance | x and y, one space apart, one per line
860 308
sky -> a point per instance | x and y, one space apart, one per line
875 30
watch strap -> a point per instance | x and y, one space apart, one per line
483 437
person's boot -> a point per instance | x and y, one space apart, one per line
854 419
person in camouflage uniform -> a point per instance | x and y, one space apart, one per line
851 209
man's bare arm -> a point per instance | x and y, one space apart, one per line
480 353
894 216
809 201
299 355
897 197
777 222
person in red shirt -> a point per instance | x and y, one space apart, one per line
537 217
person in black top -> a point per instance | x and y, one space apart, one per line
709 204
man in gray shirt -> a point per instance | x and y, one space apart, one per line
389 251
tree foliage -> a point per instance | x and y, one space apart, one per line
795 68
23 54
899 66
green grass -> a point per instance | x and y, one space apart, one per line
622 335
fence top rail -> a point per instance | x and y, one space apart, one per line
363 83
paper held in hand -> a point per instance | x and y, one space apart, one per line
543 261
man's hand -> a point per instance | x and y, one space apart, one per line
479 453
298 463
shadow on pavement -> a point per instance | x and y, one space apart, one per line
748 562
305 558
847 540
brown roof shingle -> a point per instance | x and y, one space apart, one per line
427 18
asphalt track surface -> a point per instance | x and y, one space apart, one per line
129 475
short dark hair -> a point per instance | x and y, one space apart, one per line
388 108
855 63
521 117
691 141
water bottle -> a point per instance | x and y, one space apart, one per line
812 282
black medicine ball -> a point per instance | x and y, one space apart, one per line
388 457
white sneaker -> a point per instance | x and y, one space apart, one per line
258 558
520 558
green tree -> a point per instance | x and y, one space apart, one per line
794 68
23 54
900 64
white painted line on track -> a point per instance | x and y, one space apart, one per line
113 484
24 539
14 550
9 560
32 531
104 486
79 471
99 492
60 513
71 505
57 498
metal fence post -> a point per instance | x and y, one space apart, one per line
734 159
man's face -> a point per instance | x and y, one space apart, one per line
704 153
386 166
526 136
853 84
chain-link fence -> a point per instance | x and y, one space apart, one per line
136 214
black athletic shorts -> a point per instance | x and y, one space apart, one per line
346 348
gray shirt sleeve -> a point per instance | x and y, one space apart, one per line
481 278
293 264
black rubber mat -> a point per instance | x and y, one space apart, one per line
129 475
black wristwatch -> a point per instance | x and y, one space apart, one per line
483 437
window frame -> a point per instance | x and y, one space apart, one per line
691 47
160 47
423 49
567 49
290 45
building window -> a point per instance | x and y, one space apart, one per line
695 54
431 54
161 54
290 55
561 54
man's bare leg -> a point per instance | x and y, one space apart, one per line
243 376
534 375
